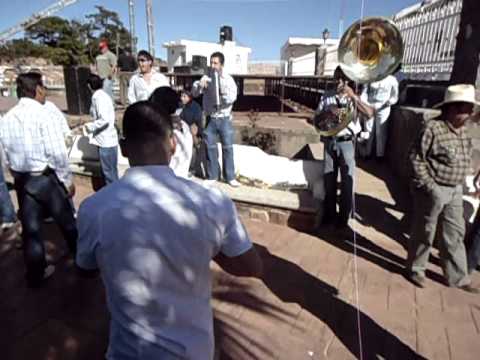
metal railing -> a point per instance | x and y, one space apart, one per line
430 37
305 90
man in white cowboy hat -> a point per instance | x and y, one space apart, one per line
440 160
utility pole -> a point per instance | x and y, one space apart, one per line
150 28
131 18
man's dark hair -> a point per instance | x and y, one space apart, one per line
143 121
145 54
95 81
218 55
27 84
340 74
166 99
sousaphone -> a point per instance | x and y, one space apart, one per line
370 50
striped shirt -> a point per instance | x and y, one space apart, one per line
441 155
34 140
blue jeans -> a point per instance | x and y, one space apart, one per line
7 211
222 127
108 161
339 155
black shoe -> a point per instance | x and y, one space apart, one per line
417 280
469 288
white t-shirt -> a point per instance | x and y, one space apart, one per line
152 235
139 89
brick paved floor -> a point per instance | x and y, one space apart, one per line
304 308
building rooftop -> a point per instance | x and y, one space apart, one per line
184 42
310 41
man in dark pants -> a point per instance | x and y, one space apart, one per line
440 160
36 153
218 105
339 152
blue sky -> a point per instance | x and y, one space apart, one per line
263 25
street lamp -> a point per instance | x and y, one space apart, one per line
325 35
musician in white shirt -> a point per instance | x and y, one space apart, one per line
35 150
103 129
381 96
218 109
144 83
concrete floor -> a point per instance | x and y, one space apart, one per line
304 308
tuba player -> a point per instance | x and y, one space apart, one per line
336 107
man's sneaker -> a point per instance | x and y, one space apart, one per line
234 183
10 232
209 182
417 280
37 282
49 270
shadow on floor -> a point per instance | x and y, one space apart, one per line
292 284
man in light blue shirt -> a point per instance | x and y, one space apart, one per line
218 108
152 235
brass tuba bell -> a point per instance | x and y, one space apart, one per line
370 49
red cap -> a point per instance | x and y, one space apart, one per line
103 44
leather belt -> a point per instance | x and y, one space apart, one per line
343 138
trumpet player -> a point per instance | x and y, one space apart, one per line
217 106
339 150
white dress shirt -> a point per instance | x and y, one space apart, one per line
33 141
381 95
56 114
139 89
228 95
152 235
332 99
103 126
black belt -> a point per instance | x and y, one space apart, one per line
343 138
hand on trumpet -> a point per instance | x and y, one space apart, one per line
345 90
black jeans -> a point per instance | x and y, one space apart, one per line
38 194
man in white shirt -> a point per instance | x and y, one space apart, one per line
35 150
152 235
144 83
103 129
381 96
218 108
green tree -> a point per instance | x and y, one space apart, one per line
69 42
105 25
48 31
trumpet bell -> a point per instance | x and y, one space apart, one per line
370 50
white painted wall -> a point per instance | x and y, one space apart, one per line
236 57
303 65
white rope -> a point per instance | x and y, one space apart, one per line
355 257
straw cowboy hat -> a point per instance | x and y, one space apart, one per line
459 93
